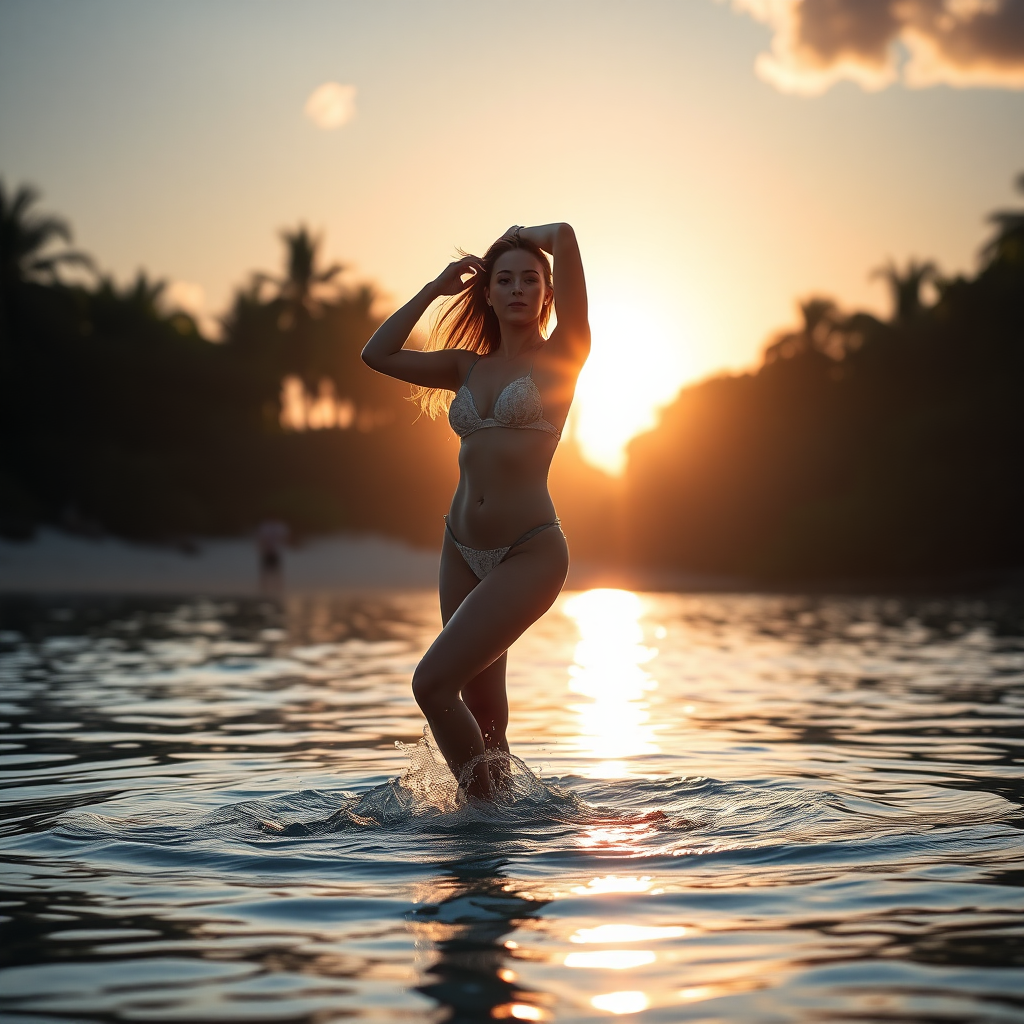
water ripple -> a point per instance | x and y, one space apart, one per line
722 807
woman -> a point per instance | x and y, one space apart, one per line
504 558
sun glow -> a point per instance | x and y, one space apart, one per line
626 933
611 959
519 1011
614 724
637 364
621 1002
616 884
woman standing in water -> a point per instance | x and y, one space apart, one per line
507 390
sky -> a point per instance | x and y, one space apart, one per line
719 159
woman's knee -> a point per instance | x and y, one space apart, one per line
430 687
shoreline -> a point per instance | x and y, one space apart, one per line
56 563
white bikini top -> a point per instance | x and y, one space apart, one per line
518 406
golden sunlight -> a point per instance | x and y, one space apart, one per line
607 668
616 883
611 959
637 364
519 1011
616 838
621 1002
627 933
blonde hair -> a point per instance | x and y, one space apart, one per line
466 320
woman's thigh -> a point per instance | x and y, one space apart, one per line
494 612
455 579
484 694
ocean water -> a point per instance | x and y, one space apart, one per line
723 808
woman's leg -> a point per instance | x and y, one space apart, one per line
489 618
485 694
487 699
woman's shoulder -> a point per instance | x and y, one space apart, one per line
569 349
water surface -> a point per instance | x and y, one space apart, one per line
729 808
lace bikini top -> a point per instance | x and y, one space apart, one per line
519 406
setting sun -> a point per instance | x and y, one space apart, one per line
637 363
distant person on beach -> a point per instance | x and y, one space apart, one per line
507 390
271 539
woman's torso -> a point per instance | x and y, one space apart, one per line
503 469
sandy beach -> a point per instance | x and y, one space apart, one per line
57 562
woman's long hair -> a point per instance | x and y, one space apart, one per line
466 321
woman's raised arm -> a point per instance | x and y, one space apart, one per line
385 353
573 328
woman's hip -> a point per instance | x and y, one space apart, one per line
483 561
483 522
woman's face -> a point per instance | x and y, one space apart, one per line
518 289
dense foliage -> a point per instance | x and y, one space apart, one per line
117 415
860 448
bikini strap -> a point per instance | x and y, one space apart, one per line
471 369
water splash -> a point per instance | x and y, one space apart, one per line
425 807
427 790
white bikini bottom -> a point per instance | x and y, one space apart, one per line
483 560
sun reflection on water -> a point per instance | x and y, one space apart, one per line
611 959
608 668
519 1011
616 883
621 1002
612 838
627 933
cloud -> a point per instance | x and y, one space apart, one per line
817 43
331 105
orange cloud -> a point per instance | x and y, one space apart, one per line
817 43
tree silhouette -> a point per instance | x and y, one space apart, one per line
297 303
1008 243
861 449
817 334
135 311
905 286
24 238
302 278
142 296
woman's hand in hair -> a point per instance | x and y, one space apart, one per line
450 280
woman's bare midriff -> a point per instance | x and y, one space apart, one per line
503 486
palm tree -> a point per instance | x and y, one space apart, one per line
24 237
905 286
139 300
1008 243
242 323
821 317
296 290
